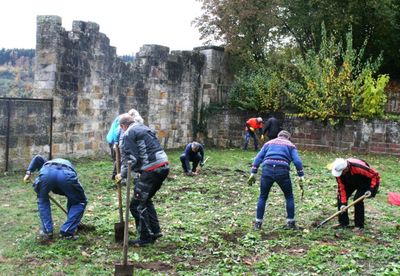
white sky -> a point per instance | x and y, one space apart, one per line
127 23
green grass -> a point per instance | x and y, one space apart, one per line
207 225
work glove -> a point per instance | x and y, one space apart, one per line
118 178
27 177
342 207
251 180
252 129
262 137
373 192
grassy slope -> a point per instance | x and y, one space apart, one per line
207 223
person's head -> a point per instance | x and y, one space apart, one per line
136 116
339 166
259 120
195 146
284 134
125 120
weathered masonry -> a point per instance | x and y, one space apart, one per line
90 86
87 86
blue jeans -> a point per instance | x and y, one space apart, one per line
63 181
194 157
247 138
280 175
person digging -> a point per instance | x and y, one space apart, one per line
276 156
354 175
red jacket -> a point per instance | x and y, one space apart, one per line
358 173
252 122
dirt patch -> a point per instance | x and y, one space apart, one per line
154 266
232 237
269 236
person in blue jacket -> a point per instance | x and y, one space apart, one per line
59 176
113 137
275 157
194 152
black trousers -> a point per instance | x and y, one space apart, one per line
358 208
142 207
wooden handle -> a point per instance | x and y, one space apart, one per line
118 168
361 198
126 233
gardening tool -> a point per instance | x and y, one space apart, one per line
361 198
81 226
119 226
199 168
125 268
301 187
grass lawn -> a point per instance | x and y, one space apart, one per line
207 225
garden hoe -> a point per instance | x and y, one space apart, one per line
361 198
119 226
125 268
81 226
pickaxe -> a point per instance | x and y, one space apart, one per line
361 198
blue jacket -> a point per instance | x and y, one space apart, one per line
114 132
281 152
187 152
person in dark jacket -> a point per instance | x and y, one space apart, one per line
140 145
113 137
276 156
251 126
272 128
354 175
194 152
60 177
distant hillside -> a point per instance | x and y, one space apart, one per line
16 72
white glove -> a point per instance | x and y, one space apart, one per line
302 179
27 177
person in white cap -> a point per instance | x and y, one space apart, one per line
354 175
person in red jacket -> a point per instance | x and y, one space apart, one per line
251 125
354 175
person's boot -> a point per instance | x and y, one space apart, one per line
291 225
141 243
339 226
257 225
44 238
68 236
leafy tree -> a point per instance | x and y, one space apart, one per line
377 20
336 82
260 90
246 28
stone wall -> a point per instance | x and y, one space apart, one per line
90 86
226 129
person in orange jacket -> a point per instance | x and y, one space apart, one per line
251 125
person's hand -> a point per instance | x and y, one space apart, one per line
27 178
262 137
118 178
251 180
343 207
252 129
372 193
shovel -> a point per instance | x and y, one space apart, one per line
361 198
119 226
81 226
125 268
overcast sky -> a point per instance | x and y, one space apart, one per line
127 23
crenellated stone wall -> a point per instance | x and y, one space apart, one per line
90 86
177 93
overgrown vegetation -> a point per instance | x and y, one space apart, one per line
207 225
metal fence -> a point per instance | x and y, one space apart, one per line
26 126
